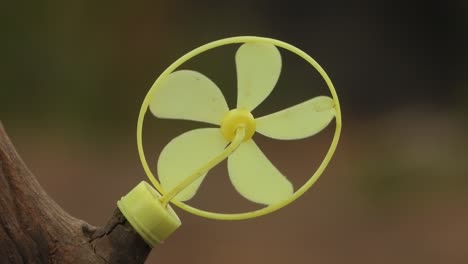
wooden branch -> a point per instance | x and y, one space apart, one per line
35 229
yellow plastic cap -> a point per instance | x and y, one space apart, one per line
144 211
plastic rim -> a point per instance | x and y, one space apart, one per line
270 208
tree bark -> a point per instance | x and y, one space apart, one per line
35 229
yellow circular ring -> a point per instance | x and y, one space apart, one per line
270 208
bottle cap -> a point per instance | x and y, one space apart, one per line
143 210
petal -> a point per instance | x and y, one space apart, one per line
189 95
255 178
185 154
299 121
258 69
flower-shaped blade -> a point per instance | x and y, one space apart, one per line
185 154
255 177
189 95
258 68
299 121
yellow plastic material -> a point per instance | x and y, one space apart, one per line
144 211
235 118
254 96
178 160
255 177
300 121
240 134
189 95
258 66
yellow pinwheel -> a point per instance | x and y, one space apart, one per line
190 95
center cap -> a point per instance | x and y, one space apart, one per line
235 119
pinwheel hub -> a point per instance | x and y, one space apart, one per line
238 118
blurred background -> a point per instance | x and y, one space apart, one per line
74 74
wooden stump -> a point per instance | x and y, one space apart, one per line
35 229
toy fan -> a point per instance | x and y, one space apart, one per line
185 160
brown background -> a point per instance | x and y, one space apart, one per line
74 75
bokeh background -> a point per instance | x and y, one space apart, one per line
74 73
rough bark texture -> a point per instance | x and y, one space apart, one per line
35 229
